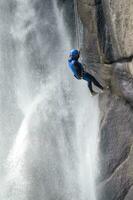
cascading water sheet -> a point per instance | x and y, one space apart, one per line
54 153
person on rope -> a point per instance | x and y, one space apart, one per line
79 72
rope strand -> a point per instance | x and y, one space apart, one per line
77 24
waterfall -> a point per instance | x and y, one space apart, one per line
54 152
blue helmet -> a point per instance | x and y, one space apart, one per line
74 53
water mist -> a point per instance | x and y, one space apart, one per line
54 153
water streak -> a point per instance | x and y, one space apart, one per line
54 154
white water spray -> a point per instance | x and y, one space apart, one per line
54 155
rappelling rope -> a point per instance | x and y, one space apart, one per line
77 25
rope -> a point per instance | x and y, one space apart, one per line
77 25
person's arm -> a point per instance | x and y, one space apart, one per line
85 66
79 70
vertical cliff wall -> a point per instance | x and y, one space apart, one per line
108 50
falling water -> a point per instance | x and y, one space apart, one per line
54 152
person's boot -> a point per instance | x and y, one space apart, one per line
93 93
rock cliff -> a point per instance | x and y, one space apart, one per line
108 47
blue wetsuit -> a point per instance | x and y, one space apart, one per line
76 67
78 71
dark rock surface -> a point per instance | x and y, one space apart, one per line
108 48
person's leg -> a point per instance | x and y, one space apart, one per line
87 78
90 86
96 82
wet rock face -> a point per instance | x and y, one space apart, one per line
108 24
119 17
87 12
115 31
116 148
